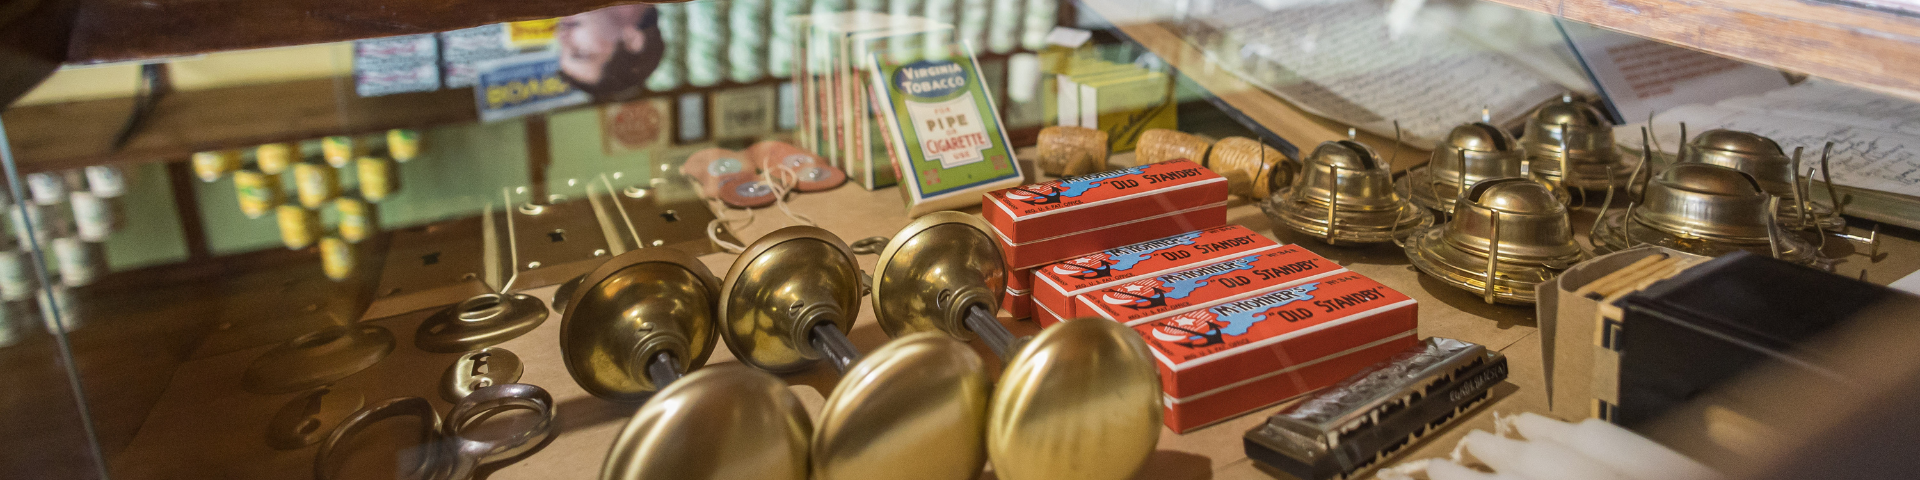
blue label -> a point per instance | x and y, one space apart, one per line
930 78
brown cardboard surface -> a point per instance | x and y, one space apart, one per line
204 423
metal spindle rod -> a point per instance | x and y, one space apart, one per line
831 341
663 370
990 331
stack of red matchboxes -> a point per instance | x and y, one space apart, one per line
1224 359
1056 285
1050 221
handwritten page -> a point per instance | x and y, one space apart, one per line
1338 60
1876 139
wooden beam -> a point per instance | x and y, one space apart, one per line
186 205
68 135
1877 49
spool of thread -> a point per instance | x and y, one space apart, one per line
47 188
705 51
972 24
673 27
336 258
258 191
747 47
210 166
106 181
17 278
80 262
275 158
1004 28
780 45
377 180
403 144
315 183
339 150
1159 145
1067 151
93 217
1040 19
1248 165
356 219
298 226
939 43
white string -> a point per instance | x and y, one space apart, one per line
780 191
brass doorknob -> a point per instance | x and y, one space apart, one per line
943 273
1081 400
913 408
789 300
639 321
726 422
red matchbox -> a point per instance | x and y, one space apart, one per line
1236 357
1078 204
1057 284
1018 304
1153 298
1031 254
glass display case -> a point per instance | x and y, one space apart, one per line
343 244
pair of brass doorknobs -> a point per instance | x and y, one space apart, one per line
1080 399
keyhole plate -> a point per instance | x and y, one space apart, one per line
487 366
310 416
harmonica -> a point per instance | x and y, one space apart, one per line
1343 430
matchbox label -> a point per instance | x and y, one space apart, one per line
1148 298
1071 191
1200 333
1154 256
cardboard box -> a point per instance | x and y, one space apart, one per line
1027 255
1088 202
1164 296
1018 304
1582 371
1235 357
1056 284
1019 278
1046 316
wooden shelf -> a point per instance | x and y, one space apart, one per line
74 134
122 30
1877 49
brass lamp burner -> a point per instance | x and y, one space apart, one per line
1777 174
1344 193
1569 143
1702 209
789 300
639 321
1509 235
1472 153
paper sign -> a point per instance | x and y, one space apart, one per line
1639 76
521 85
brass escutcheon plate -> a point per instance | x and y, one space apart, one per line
475 370
933 269
317 359
307 418
482 321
